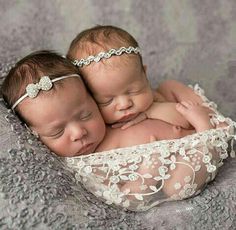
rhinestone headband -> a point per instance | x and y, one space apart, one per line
117 52
45 84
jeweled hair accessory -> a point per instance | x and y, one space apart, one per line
117 52
45 84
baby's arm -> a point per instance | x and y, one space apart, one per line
175 91
166 111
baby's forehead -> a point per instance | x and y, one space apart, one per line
73 86
67 83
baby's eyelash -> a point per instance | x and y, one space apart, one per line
134 91
58 134
86 116
105 103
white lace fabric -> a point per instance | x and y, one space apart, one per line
140 177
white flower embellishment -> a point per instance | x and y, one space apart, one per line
45 83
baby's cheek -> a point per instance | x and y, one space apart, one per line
147 101
60 145
108 115
53 146
98 126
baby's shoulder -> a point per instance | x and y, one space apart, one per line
170 89
171 83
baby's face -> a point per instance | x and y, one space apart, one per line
121 90
67 120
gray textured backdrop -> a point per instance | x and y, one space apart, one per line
192 41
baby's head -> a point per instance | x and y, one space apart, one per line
57 106
118 81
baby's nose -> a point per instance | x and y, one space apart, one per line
77 133
124 102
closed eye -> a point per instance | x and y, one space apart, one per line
134 92
86 116
56 134
105 103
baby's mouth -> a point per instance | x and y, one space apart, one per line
128 117
86 149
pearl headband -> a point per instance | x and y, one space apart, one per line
117 52
45 84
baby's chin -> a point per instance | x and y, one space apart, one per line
125 118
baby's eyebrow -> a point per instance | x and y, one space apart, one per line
103 95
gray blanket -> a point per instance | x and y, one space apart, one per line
191 41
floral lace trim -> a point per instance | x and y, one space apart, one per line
140 177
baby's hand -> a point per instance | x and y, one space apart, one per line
197 115
136 120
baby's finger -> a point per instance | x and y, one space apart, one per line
128 124
207 110
192 102
185 104
140 118
137 120
117 125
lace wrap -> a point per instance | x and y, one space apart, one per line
140 177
